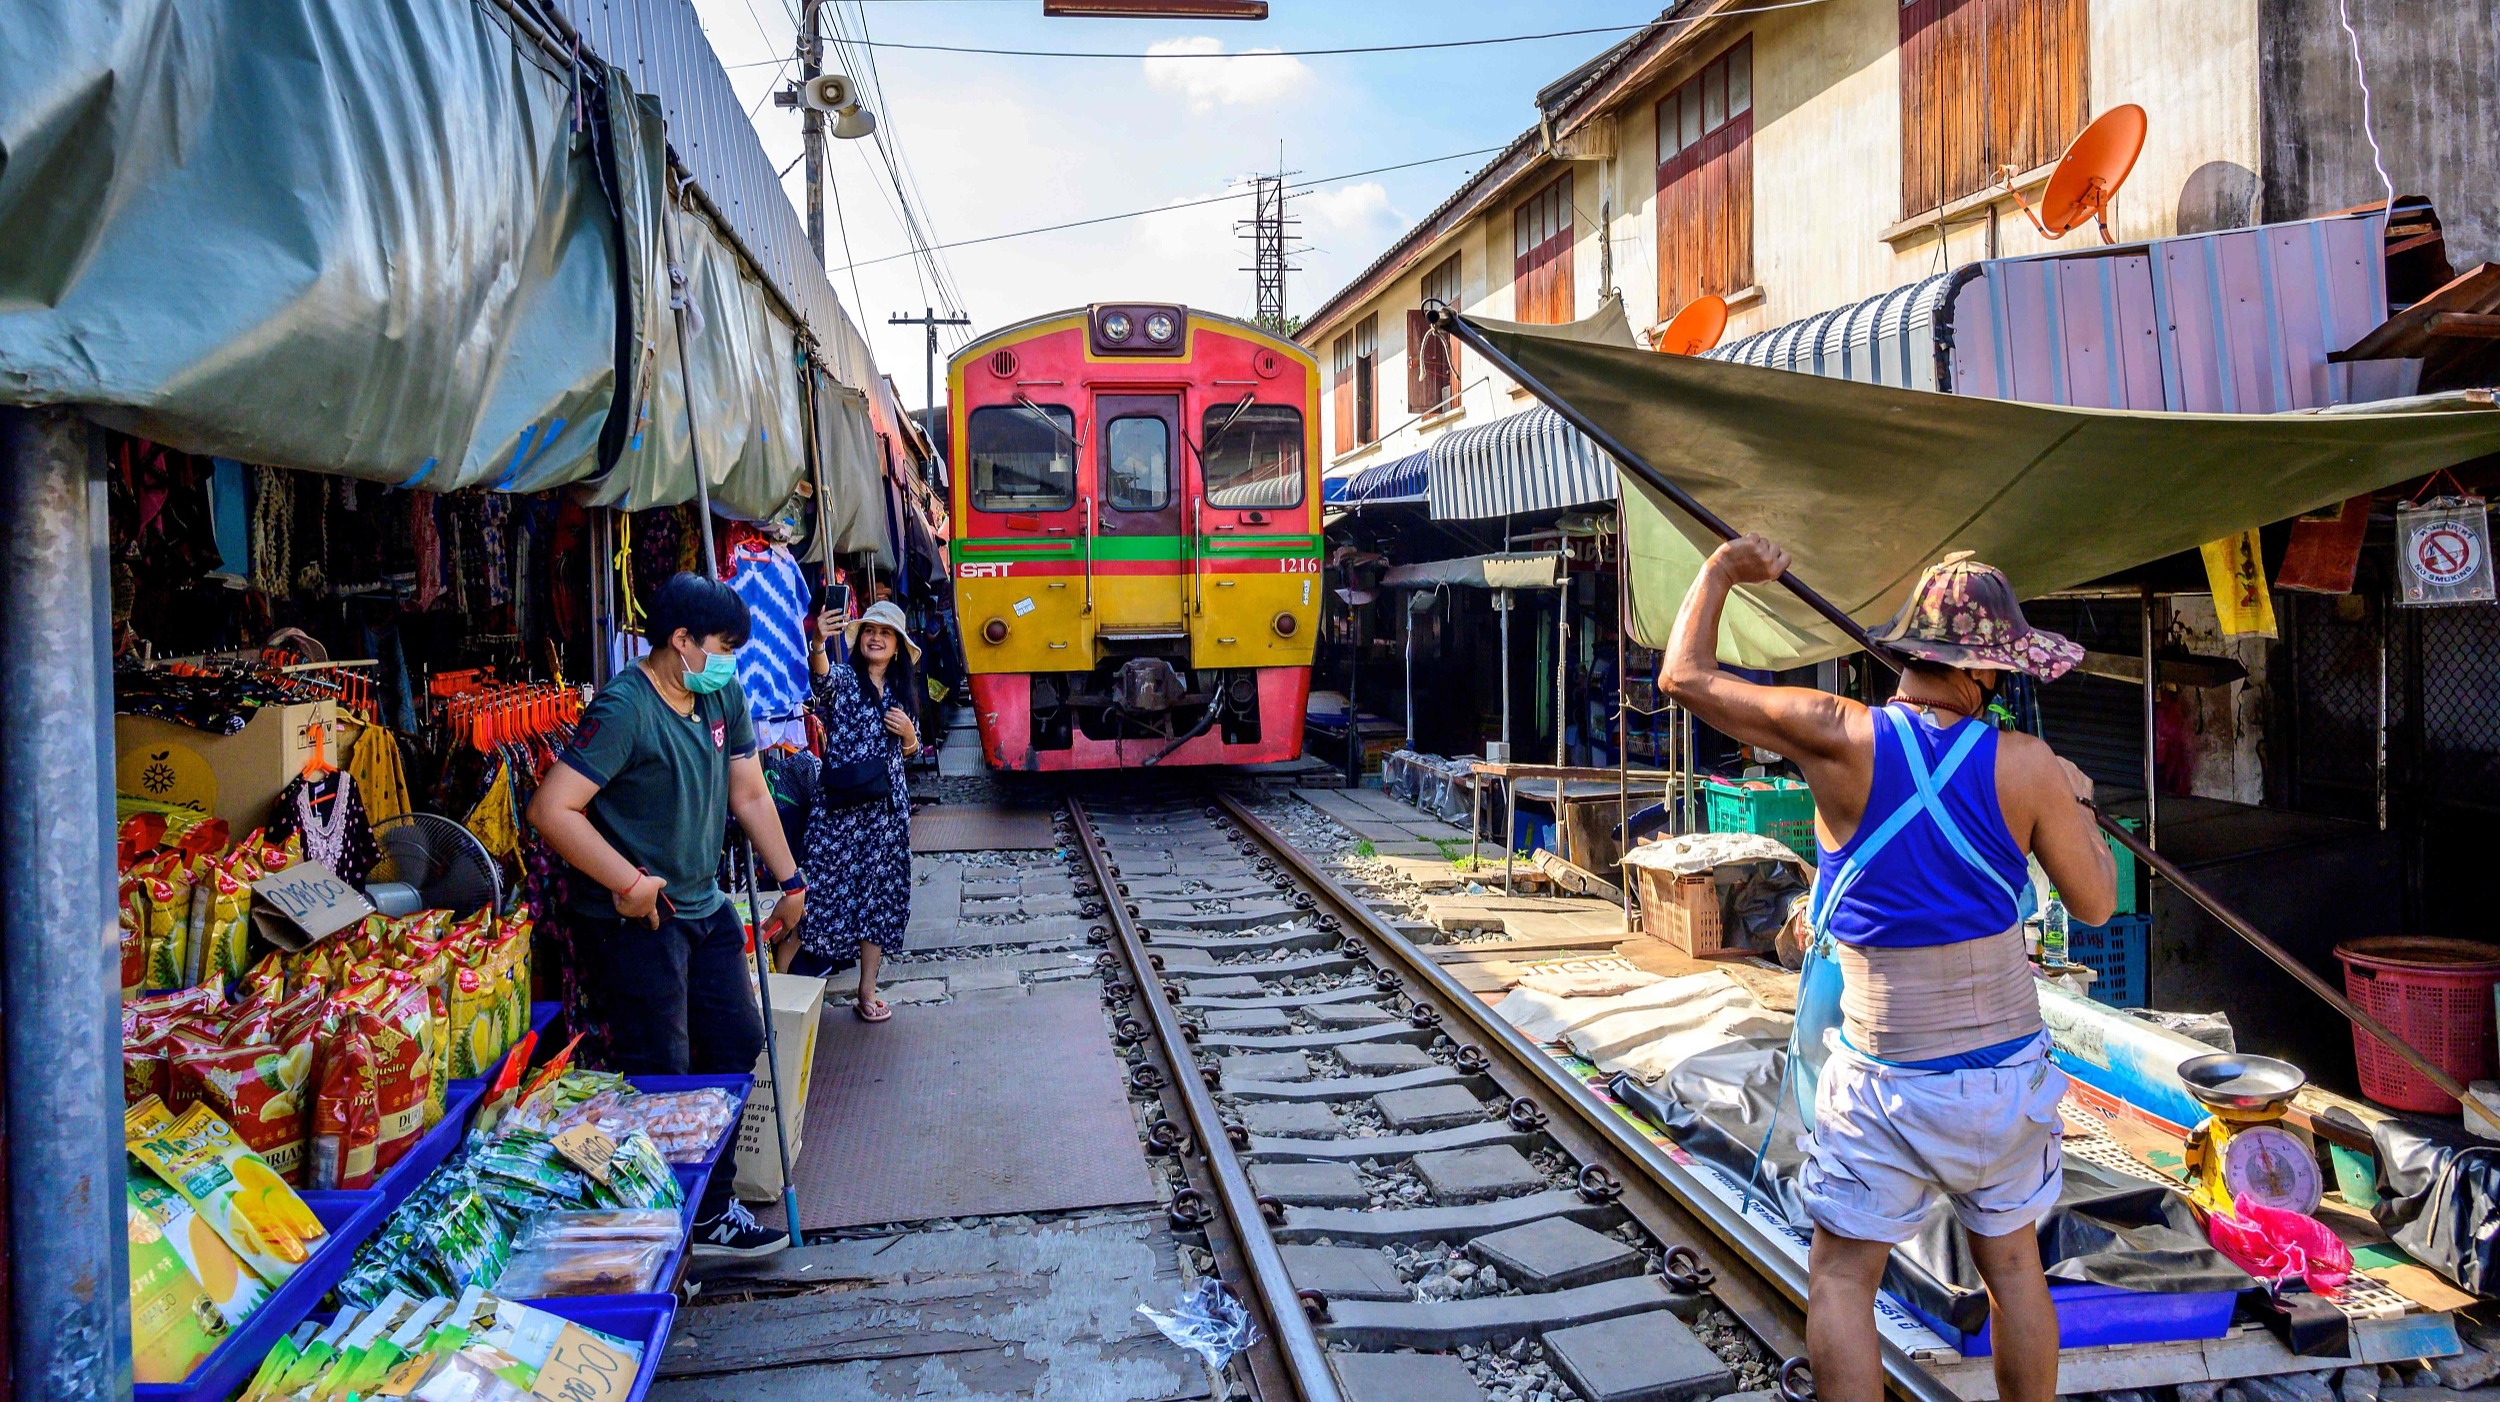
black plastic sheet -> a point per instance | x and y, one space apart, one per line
2439 1198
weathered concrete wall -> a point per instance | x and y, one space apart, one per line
2434 76
2228 723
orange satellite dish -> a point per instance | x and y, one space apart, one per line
2089 174
1695 329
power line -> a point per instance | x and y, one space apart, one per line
1185 204
1289 53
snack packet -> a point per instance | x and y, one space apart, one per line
147 1067
173 1324
229 1283
403 1050
476 1022
165 893
132 905
259 1091
241 1196
639 1176
347 1111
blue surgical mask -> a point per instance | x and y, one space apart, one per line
719 670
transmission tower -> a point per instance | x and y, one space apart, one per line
1266 231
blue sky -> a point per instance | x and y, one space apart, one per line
995 144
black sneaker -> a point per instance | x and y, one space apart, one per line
733 1231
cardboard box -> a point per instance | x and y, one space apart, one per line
235 777
798 1003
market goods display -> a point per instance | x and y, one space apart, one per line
541 1190
685 1124
234 1190
473 1348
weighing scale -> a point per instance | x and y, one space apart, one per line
2242 1150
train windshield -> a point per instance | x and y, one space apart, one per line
1253 456
1022 457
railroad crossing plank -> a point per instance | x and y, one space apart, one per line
981 828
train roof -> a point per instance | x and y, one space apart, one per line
1231 323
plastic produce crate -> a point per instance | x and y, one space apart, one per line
2089 1316
642 1319
2128 878
1779 809
2120 956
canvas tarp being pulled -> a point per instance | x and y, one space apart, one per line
1865 485
1481 571
307 233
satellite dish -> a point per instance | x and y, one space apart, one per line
2089 174
1695 329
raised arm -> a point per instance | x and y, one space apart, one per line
2055 796
1819 731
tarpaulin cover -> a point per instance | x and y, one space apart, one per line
1482 571
850 500
2439 1194
1866 484
317 234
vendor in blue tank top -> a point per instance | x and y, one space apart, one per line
1938 1083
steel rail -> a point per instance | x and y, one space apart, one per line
1443 319
1751 1245
1306 1359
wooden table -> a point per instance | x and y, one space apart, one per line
1563 776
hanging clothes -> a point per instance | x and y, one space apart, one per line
230 511
331 816
772 667
496 820
380 779
428 539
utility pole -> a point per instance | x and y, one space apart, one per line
929 318
812 122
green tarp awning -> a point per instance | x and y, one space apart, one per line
1865 485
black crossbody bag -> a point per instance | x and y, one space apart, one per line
860 781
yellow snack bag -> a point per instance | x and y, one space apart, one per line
173 1325
166 899
243 1199
226 928
476 1025
230 1284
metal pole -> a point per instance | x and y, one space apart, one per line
812 122
2378 751
2154 861
1505 601
772 1051
681 290
60 983
1562 664
1623 725
2152 830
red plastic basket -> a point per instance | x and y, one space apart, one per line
2436 995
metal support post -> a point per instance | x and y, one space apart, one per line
1503 600
1562 667
2152 830
60 980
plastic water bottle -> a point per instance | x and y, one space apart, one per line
2053 931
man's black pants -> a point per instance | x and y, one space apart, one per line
678 1001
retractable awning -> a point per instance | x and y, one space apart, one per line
1523 462
1399 479
1867 484
1517 571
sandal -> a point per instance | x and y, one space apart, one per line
874 1010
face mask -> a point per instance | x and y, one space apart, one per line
719 670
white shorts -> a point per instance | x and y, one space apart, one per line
1887 1140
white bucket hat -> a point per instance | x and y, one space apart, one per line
885 613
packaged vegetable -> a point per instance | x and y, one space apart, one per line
230 1284
173 1324
244 1200
347 1112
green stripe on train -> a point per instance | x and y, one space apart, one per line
1144 547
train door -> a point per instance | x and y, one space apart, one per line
1139 501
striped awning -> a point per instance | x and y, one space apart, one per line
1528 461
1399 479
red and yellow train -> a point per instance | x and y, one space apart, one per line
1136 556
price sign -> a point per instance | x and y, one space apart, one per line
582 1369
588 1150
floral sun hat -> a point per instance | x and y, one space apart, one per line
1964 614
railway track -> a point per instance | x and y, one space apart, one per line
1411 1199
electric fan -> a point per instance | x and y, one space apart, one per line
430 862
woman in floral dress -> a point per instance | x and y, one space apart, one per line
858 858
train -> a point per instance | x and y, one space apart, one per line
1136 552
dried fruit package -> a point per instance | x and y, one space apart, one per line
256 1089
165 892
245 1201
230 1284
476 1027
347 1112
403 1051
134 924
173 1325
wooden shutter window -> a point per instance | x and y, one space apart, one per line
1341 392
1367 379
1432 361
1987 84
1705 182
1541 254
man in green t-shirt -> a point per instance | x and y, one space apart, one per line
640 807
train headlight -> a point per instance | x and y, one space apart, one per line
994 632
1285 624
1116 326
1159 327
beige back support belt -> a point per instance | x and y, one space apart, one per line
1938 999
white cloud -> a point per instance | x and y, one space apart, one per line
1348 209
1248 79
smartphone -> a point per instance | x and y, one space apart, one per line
837 598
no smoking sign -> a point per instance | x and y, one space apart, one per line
2444 552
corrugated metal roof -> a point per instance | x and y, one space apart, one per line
661 46
1528 461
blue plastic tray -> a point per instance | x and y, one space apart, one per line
351 1217
694 1175
2091 1315
644 1319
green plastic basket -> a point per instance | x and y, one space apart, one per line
2125 861
1783 812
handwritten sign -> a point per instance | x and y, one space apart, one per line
588 1149
304 904
582 1369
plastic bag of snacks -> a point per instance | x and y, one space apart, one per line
230 1284
241 1196
477 1348
165 899
404 1062
173 1323
134 924
256 1089
611 1251
638 1176
347 1110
